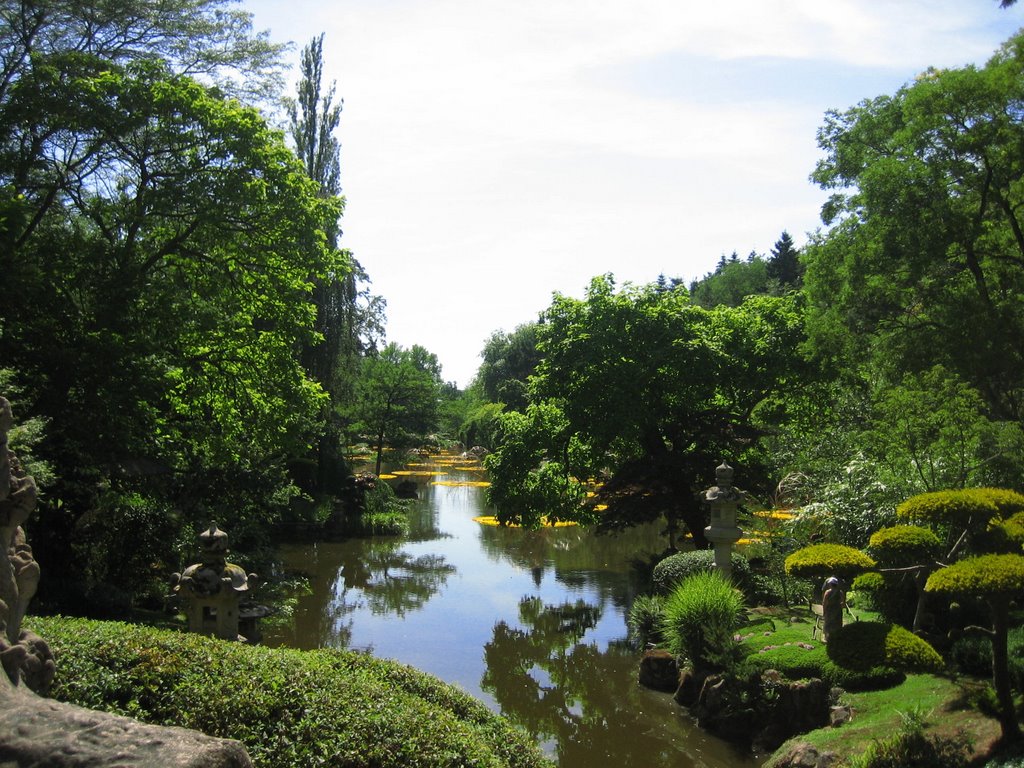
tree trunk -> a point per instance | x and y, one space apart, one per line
1001 669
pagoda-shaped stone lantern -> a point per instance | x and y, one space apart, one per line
723 532
211 591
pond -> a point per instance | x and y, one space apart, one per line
532 623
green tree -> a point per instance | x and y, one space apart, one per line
397 397
783 267
924 263
509 359
161 239
349 320
652 392
731 283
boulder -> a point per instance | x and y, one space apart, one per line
659 670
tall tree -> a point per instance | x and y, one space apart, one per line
924 263
784 263
349 320
158 240
397 397
648 389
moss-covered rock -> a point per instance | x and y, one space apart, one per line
827 560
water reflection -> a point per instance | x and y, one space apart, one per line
530 622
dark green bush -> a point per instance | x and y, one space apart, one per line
892 595
865 644
797 663
674 568
972 655
288 707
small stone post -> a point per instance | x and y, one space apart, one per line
723 532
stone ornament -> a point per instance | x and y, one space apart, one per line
24 656
211 591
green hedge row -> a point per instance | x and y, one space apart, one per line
289 708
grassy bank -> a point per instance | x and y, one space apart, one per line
289 708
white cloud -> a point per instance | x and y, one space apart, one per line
493 152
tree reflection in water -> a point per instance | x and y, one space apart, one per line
582 701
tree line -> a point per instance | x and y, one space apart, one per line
182 333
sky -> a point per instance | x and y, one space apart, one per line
494 153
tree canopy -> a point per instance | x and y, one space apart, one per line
642 385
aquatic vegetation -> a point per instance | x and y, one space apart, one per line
492 520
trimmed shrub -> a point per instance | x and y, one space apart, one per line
904 545
865 644
793 662
645 619
986 575
701 616
673 569
960 506
828 560
288 707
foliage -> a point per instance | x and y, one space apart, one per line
672 570
795 662
865 644
986 575
526 486
962 507
509 359
911 747
646 618
828 560
932 429
904 545
396 397
972 655
653 392
700 617
289 708
923 262
163 240
731 283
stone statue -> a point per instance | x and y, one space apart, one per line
24 656
39 731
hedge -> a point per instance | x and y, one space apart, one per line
288 707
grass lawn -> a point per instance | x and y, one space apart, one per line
942 702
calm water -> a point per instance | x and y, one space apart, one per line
530 622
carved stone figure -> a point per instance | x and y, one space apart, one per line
39 731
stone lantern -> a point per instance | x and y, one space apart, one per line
211 591
723 532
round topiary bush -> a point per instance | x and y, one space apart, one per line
701 616
673 569
987 575
962 505
865 644
904 545
828 560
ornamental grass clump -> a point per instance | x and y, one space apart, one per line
701 616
